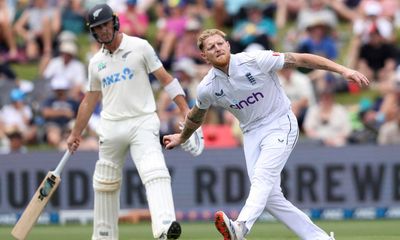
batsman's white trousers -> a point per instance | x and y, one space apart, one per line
140 136
267 149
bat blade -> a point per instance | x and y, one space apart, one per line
35 207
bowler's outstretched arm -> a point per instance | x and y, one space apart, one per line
312 61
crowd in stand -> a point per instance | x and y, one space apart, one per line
362 34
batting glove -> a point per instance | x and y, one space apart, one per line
195 144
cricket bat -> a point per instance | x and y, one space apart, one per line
39 201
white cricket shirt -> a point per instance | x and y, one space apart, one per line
123 79
251 91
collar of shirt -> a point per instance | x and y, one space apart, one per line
121 46
231 70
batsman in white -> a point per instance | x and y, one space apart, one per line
118 73
246 84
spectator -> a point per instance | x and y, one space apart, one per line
390 99
69 68
172 29
314 34
132 21
8 81
7 33
58 111
12 142
287 9
116 5
365 124
18 116
226 11
374 114
38 26
316 11
388 8
65 36
389 133
319 40
88 4
186 47
254 26
16 142
73 17
6 72
199 9
377 58
369 18
299 89
328 122
345 9
312 13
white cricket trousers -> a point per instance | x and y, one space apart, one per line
139 136
266 150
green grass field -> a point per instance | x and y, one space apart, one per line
344 230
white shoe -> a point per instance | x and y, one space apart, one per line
229 229
332 236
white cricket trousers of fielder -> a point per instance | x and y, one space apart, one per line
267 149
140 136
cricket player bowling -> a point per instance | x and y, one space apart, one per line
246 84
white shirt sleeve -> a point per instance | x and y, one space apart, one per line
203 100
152 61
269 60
94 83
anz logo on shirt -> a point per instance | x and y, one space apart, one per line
126 74
253 98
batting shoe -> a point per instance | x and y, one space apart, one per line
174 232
229 229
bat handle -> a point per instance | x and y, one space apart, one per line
61 164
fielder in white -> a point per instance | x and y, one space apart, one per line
246 84
118 73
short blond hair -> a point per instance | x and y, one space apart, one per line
206 34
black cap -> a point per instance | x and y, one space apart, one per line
99 14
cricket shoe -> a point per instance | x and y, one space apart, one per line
229 229
332 236
174 232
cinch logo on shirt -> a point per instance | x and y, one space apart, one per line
253 98
127 74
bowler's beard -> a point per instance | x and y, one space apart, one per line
222 62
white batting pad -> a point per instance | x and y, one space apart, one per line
159 197
106 184
157 181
